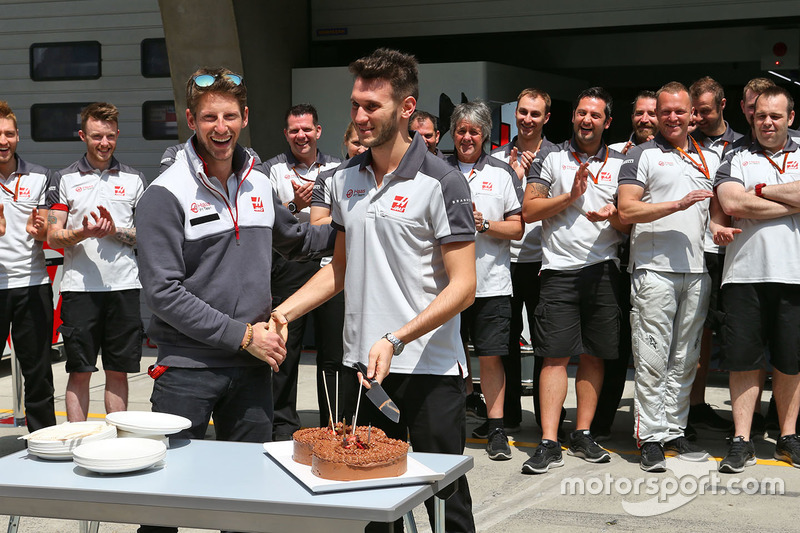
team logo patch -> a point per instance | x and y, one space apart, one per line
486 186
83 188
119 190
196 207
24 192
400 203
605 177
791 165
355 192
287 176
258 204
568 167
666 164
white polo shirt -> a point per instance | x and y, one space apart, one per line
395 268
105 264
284 169
21 256
529 248
767 251
570 241
673 243
497 194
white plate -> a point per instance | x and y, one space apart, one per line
147 423
51 456
120 468
62 439
118 450
281 452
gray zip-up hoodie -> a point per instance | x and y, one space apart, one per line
204 258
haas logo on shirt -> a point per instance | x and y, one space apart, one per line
258 204
605 177
196 207
486 186
119 190
791 165
24 192
400 203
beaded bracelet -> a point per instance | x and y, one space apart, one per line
249 339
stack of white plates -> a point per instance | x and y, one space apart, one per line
58 442
147 424
119 455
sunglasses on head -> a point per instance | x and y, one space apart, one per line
207 80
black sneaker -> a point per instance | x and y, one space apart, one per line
788 449
703 416
741 453
476 407
497 447
758 428
546 455
686 450
481 432
653 459
581 444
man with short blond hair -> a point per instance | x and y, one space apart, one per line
91 205
26 298
664 186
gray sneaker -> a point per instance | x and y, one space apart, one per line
546 455
653 459
742 453
686 450
581 444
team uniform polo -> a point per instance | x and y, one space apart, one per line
26 298
529 248
22 257
284 169
618 147
666 175
176 152
496 192
570 240
106 264
670 289
761 276
394 260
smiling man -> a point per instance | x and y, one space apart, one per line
293 174
405 257
91 205
643 122
664 187
571 189
208 227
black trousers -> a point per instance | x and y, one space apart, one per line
525 282
432 413
328 320
29 313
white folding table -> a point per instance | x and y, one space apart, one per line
214 485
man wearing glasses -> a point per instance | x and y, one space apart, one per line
207 227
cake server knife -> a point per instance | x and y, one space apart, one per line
378 396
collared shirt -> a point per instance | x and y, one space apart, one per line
570 241
394 236
766 250
284 170
22 256
104 264
673 243
497 193
529 248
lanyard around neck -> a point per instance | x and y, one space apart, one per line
701 166
594 177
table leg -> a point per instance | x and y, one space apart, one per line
13 524
409 523
438 514
88 526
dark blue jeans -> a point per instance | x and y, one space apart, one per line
238 398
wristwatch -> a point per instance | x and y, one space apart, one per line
397 343
292 207
484 227
759 188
